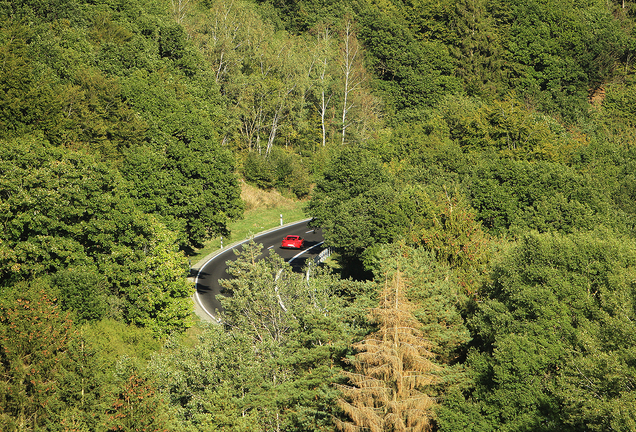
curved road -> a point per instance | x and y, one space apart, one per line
213 268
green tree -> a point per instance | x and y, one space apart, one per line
96 117
360 205
301 15
558 50
299 327
514 196
215 383
62 209
105 364
413 74
507 127
138 408
554 339
122 84
34 335
282 170
355 202
26 93
438 295
84 291
41 10
446 225
264 313
286 88
85 385
51 90
229 380
182 174
476 45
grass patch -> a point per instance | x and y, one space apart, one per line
262 212
333 262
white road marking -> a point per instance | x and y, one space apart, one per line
211 258
308 249
196 293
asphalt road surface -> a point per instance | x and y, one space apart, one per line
208 275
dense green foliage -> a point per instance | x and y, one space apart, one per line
69 215
555 338
273 364
482 150
125 86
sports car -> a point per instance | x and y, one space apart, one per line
293 242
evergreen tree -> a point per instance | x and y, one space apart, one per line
33 338
393 368
138 408
477 47
439 296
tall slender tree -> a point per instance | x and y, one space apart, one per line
476 47
351 72
324 78
392 370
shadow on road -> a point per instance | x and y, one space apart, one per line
298 264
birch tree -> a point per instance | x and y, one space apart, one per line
228 36
351 63
360 109
179 9
268 92
285 87
324 78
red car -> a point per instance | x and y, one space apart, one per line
292 241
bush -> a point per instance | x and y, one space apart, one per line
283 171
258 171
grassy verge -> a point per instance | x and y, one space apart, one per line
263 211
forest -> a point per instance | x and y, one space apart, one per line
472 163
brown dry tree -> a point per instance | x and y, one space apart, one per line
392 369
